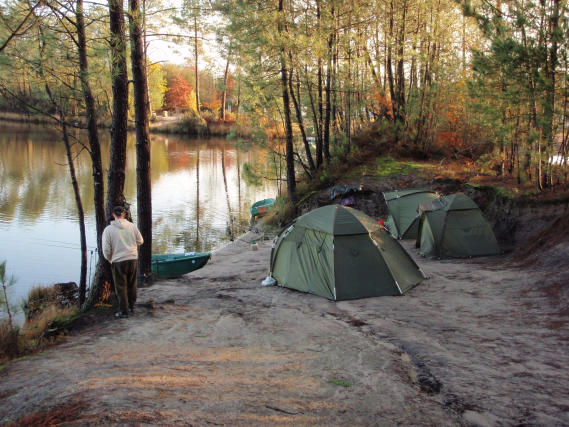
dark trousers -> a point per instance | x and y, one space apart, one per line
124 276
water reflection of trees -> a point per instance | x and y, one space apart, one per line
34 182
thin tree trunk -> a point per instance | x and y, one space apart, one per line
145 49
224 93
92 127
290 175
196 64
335 85
400 69
320 115
76 193
388 65
300 120
79 205
80 212
349 93
326 142
316 122
230 225
238 97
142 117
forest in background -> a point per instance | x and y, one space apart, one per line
483 80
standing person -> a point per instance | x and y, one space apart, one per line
120 247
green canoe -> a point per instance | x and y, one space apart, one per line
169 266
261 207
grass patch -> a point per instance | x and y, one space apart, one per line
50 320
50 313
509 193
342 383
63 323
506 193
387 166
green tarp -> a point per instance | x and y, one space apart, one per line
403 220
340 253
454 227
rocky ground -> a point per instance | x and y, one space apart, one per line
481 342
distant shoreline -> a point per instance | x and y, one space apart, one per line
171 125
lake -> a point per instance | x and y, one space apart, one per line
197 190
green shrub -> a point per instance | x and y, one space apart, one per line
192 124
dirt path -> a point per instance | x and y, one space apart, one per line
475 344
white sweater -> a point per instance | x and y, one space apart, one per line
120 241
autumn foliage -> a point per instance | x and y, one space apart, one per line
179 95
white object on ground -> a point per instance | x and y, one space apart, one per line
269 281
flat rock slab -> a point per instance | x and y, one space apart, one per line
476 344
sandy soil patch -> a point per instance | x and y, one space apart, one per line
479 343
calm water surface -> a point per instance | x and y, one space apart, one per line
197 190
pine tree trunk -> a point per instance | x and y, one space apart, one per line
119 126
141 116
400 70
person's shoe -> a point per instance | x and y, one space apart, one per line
131 310
121 315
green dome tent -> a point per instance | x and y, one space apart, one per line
341 253
403 220
453 226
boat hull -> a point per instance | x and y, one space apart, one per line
262 207
169 266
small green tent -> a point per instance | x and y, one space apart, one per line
341 253
403 220
454 227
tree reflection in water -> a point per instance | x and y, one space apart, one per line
197 191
